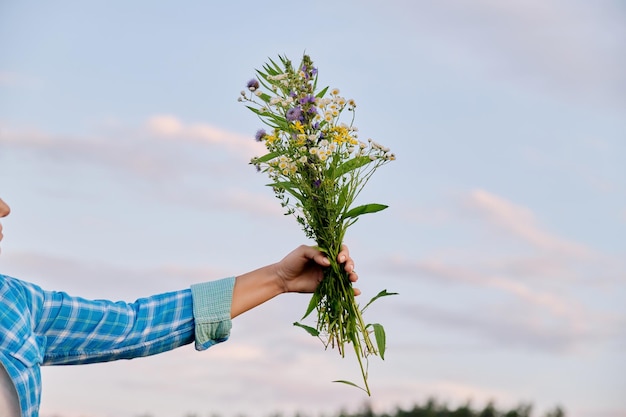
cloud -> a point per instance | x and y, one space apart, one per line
442 272
15 79
101 280
127 153
568 48
506 328
520 222
542 300
177 163
168 126
158 150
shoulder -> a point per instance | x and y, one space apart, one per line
20 297
14 287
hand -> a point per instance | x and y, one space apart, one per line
302 269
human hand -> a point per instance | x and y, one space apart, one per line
302 269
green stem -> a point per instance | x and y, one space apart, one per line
339 315
363 372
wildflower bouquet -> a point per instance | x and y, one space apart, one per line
318 167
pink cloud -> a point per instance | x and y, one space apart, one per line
520 222
169 126
15 79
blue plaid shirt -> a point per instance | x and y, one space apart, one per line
40 327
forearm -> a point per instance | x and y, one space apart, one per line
254 288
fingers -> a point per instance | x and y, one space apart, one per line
321 259
311 252
343 257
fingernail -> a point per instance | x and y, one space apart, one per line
342 258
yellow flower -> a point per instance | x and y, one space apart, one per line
300 139
341 134
298 126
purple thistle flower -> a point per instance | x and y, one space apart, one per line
253 84
308 73
310 99
294 114
260 134
317 183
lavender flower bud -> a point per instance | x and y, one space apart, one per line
253 84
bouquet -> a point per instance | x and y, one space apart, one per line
317 168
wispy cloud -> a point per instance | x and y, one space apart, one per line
16 79
156 150
568 48
169 126
520 222
505 328
531 296
442 272
98 279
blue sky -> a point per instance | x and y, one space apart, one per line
123 154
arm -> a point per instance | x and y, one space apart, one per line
74 330
300 271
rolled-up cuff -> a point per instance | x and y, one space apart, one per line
211 311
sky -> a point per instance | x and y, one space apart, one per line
124 157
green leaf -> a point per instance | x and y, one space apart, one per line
381 339
276 66
341 199
266 157
364 209
321 93
342 381
310 330
281 122
255 110
287 186
383 293
315 299
351 165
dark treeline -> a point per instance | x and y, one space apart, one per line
432 408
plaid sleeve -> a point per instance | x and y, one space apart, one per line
75 330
